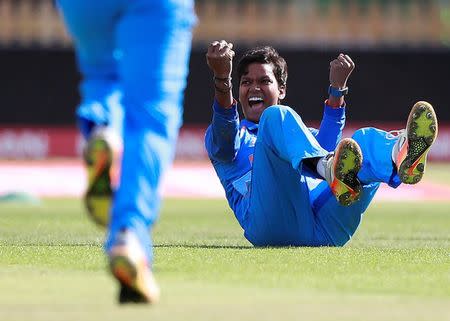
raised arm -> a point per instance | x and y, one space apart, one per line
219 58
222 136
340 70
333 121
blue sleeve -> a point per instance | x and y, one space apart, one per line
330 131
222 136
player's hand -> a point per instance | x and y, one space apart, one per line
340 70
220 58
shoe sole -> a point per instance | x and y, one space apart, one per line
348 160
126 273
130 295
422 129
98 197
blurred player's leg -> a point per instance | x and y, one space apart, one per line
92 25
155 40
102 156
130 265
141 48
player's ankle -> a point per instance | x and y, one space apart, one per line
399 147
325 167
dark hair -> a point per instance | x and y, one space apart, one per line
264 55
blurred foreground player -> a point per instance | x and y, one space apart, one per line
133 57
290 185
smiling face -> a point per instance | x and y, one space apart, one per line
259 89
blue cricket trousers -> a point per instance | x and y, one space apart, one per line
133 56
289 205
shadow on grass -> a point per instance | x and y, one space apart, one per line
204 246
53 244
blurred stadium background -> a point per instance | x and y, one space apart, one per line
396 267
401 48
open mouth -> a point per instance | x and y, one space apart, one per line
255 102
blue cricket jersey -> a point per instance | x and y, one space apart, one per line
230 144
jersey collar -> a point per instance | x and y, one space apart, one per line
251 126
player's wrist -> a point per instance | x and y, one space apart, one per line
337 91
222 85
334 102
222 76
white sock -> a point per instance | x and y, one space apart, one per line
321 165
401 140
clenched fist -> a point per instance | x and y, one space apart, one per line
340 70
220 58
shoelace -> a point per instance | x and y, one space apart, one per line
393 134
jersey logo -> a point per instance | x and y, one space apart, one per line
242 184
252 141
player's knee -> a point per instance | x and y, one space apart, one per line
274 114
361 134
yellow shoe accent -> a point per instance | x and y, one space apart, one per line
129 266
346 163
102 157
421 132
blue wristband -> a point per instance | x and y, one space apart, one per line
336 92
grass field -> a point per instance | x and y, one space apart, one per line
397 267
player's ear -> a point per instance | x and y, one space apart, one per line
282 91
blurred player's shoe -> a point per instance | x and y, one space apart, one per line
341 171
410 151
130 267
102 157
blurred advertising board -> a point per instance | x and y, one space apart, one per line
17 142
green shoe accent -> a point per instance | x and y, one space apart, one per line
98 157
347 163
422 129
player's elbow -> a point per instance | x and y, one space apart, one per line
221 155
220 148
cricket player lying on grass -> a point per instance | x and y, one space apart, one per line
290 185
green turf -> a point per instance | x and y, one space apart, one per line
438 173
396 268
